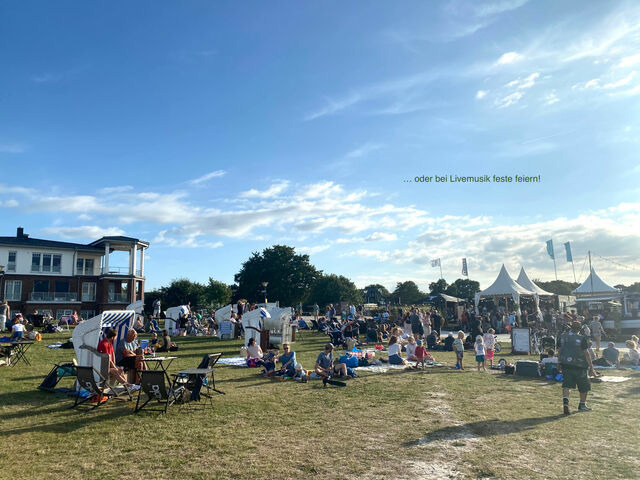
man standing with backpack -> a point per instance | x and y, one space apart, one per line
574 363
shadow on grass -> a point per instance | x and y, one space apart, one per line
485 428
76 419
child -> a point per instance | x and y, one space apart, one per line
458 347
411 349
17 329
154 341
479 346
552 361
420 353
301 374
489 344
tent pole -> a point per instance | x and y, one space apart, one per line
590 272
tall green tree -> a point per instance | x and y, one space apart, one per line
439 286
407 293
217 293
559 287
463 288
290 276
334 289
182 291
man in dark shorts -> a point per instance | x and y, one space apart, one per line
575 362
416 324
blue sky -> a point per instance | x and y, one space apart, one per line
214 129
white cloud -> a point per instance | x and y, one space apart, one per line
184 238
208 176
481 94
509 100
629 61
363 150
620 83
9 203
90 232
120 189
273 191
495 8
381 236
509 58
551 98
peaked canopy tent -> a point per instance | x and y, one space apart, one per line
524 281
91 331
594 285
504 286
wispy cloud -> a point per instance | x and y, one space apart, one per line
12 148
495 8
509 58
620 83
363 150
119 189
509 100
59 76
480 94
91 232
273 191
207 177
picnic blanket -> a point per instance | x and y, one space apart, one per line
234 361
612 379
385 368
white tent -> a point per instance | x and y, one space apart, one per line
524 281
594 285
91 331
504 286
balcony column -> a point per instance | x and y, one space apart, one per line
106 258
132 260
142 262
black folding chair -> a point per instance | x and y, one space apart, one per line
98 389
153 384
213 359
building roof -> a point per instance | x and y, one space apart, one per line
119 238
594 284
26 241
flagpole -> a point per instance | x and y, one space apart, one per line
554 266
440 264
574 270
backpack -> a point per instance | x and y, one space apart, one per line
571 352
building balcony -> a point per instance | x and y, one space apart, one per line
119 271
57 297
118 298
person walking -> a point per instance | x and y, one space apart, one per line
5 314
574 362
597 331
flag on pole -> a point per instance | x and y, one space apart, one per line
567 247
550 249
435 263
465 272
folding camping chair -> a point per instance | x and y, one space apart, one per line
195 382
153 384
99 390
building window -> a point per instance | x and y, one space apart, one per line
57 264
11 263
46 262
87 314
84 266
35 262
88 292
13 290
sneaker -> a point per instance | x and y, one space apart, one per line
133 387
565 409
583 408
324 381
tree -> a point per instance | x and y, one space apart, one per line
181 292
407 293
217 293
375 293
559 287
463 288
333 289
437 287
290 276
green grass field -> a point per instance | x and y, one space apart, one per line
439 423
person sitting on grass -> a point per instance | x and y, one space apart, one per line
633 357
394 350
325 367
448 343
458 347
288 361
106 346
433 339
17 330
166 342
611 354
254 354
411 349
550 360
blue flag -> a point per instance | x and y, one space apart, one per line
550 249
567 247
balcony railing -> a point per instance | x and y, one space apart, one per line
53 297
119 271
118 298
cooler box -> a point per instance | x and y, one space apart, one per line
527 368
